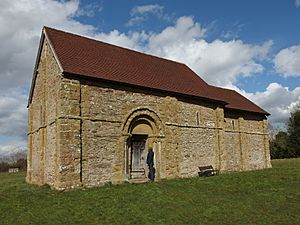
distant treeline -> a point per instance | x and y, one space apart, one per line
16 159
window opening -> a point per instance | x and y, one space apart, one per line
197 119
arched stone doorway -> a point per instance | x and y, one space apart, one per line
143 130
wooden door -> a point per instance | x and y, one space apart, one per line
138 158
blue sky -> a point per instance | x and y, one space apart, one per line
250 46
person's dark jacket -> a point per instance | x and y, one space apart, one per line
150 157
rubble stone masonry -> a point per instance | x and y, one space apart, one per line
78 131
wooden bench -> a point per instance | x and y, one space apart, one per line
206 171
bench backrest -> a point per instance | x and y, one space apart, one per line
206 168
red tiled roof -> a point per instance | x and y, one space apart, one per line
95 59
236 100
88 57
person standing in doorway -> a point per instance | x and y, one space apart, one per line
150 163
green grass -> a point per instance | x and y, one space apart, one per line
269 196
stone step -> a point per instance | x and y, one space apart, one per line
138 180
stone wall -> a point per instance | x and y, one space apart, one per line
78 131
246 142
192 135
43 147
190 132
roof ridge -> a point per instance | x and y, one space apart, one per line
117 46
228 89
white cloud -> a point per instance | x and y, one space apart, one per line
135 20
132 40
89 10
143 9
13 120
141 13
185 29
287 61
277 100
233 30
20 28
297 3
13 113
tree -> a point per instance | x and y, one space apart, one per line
287 145
293 143
4 166
21 164
17 155
278 146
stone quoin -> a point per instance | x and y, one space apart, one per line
95 109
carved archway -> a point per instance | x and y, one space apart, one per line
143 114
143 130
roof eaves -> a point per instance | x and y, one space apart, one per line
74 76
262 110
248 111
35 68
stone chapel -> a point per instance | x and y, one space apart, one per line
95 109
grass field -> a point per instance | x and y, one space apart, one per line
269 196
